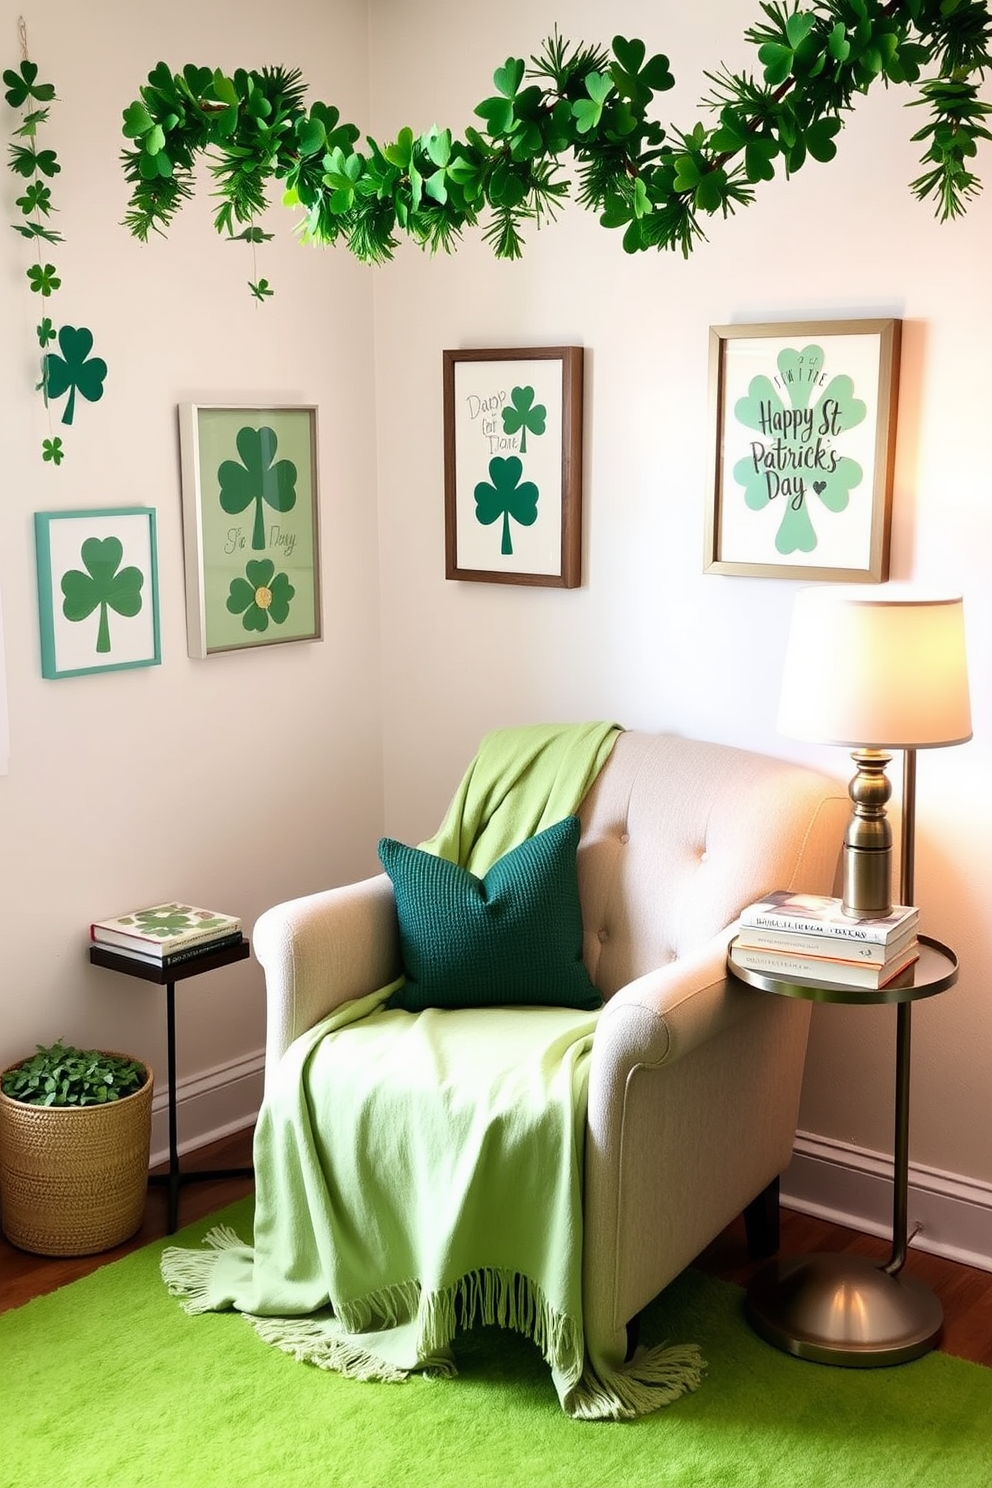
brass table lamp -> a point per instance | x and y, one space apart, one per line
878 670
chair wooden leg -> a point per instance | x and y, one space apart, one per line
761 1222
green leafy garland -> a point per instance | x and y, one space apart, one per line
70 369
582 101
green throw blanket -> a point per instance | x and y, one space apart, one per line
418 1173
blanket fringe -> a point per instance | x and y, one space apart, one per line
510 1300
653 1378
187 1273
388 1307
334 1339
320 1341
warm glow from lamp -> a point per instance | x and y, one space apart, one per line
876 671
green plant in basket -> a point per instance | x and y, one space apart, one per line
75 1131
60 1075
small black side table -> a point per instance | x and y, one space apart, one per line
843 1309
147 971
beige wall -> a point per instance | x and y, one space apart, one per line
242 780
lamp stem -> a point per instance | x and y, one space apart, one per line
900 1176
907 853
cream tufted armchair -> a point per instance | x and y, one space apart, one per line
694 1082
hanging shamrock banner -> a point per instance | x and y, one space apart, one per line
75 371
72 369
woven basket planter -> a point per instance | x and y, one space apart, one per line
73 1180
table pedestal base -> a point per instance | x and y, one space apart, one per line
843 1309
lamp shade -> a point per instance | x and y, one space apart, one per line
884 670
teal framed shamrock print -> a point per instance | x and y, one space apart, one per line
97 590
249 479
803 423
513 465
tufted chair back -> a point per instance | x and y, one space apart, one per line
678 835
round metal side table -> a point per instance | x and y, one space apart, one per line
844 1309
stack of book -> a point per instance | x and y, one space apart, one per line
809 936
166 934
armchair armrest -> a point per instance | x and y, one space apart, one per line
685 1061
322 950
661 1016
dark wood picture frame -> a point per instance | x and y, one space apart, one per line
494 402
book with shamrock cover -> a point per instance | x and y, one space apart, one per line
819 914
818 969
164 929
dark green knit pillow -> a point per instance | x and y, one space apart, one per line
514 936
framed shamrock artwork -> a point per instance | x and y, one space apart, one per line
803 427
249 479
97 590
513 466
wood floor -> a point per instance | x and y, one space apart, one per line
966 1294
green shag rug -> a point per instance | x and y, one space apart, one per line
109 1384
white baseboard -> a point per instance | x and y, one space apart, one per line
948 1215
209 1105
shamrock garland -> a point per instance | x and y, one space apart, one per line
74 371
589 102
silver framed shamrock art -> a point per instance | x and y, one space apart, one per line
97 590
513 465
803 420
250 530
